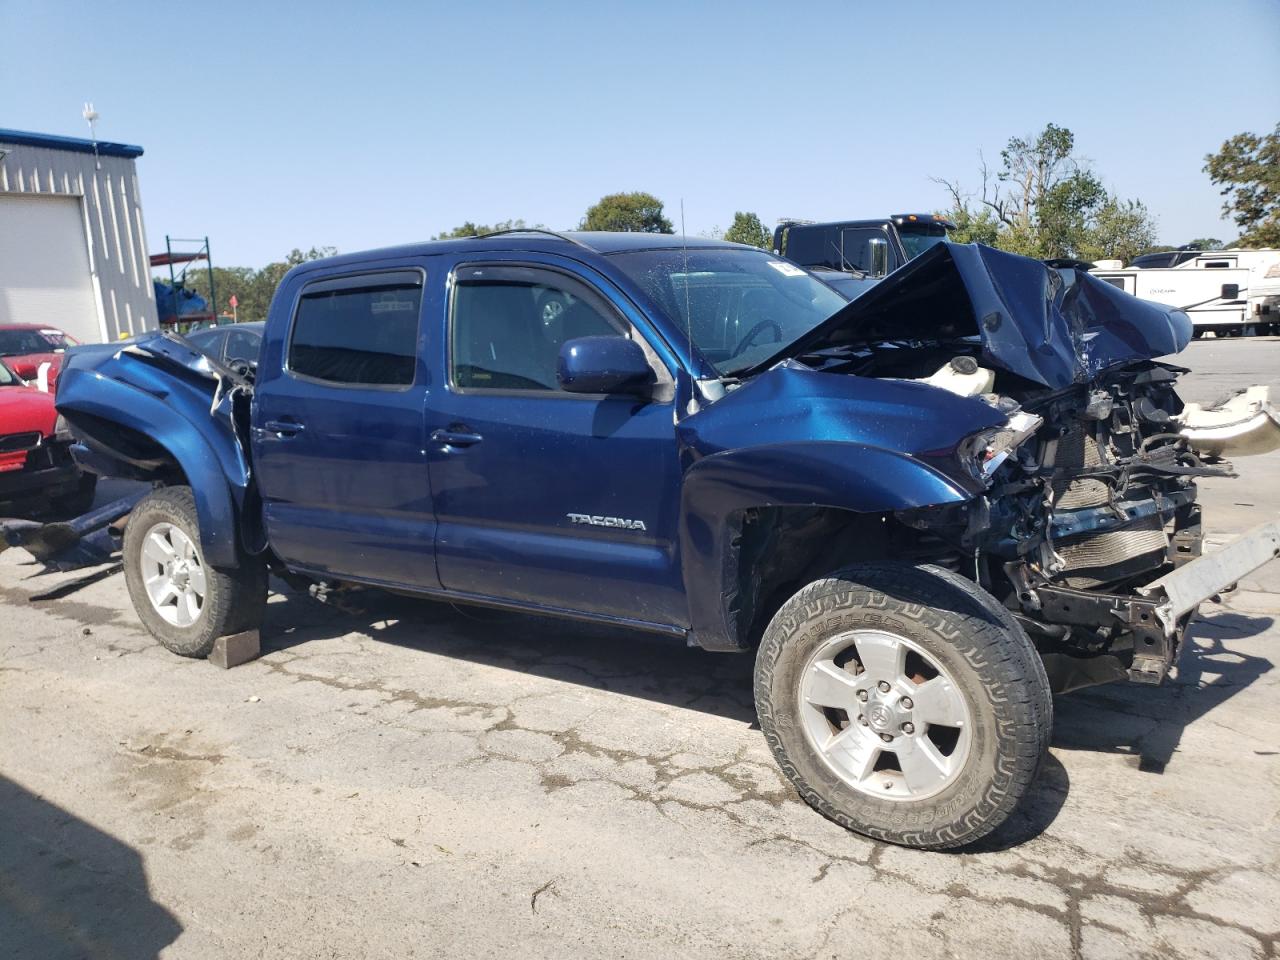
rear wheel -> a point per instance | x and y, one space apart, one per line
185 603
903 703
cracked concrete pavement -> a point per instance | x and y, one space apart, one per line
411 779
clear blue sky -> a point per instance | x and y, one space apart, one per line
363 124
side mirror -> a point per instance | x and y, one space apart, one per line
878 256
604 365
1231 291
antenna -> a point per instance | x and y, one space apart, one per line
688 312
91 117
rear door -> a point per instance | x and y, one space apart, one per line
338 431
547 497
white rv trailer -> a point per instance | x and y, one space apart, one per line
1264 279
1215 298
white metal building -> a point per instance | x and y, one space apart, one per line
73 251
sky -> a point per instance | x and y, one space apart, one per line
269 126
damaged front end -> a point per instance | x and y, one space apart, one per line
1088 528
1088 521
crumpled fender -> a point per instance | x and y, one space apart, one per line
173 408
871 446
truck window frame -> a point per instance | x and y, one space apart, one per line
357 279
664 383
880 231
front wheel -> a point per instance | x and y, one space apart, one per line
181 600
903 703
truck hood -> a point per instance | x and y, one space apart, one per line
1052 326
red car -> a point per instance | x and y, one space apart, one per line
35 460
25 346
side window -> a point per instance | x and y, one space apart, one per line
360 331
242 345
507 325
858 251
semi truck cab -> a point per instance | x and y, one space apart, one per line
870 247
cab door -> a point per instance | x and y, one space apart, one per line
542 496
338 440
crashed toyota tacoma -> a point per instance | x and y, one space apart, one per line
925 511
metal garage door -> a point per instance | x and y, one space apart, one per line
44 265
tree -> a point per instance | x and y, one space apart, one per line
747 228
632 212
1121 230
1045 202
1247 167
253 289
470 229
1205 243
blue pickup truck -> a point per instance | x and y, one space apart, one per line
924 511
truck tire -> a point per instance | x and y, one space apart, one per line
183 602
904 703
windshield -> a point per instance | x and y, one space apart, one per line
739 306
916 240
16 343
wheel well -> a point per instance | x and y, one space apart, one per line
130 453
778 550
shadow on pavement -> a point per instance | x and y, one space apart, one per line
1142 721
628 662
1148 722
68 890
1033 815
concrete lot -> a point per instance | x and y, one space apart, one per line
416 780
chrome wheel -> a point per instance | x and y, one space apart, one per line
884 716
173 575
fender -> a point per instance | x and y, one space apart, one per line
718 488
174 412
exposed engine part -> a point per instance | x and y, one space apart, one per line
1095 500
962 376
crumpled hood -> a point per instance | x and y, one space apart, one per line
1053 326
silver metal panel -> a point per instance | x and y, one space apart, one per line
1197 581
113 228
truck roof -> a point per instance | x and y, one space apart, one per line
599 242
901 219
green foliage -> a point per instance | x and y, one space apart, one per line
1121 230
1045 202
747 228
972 226
632 212
253 289
1247 167
1206 243
470 229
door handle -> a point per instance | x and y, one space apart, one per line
284 428
452 438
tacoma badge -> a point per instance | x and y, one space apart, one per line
606 521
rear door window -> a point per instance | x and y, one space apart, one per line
358 330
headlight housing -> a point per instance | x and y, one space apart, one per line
986 450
